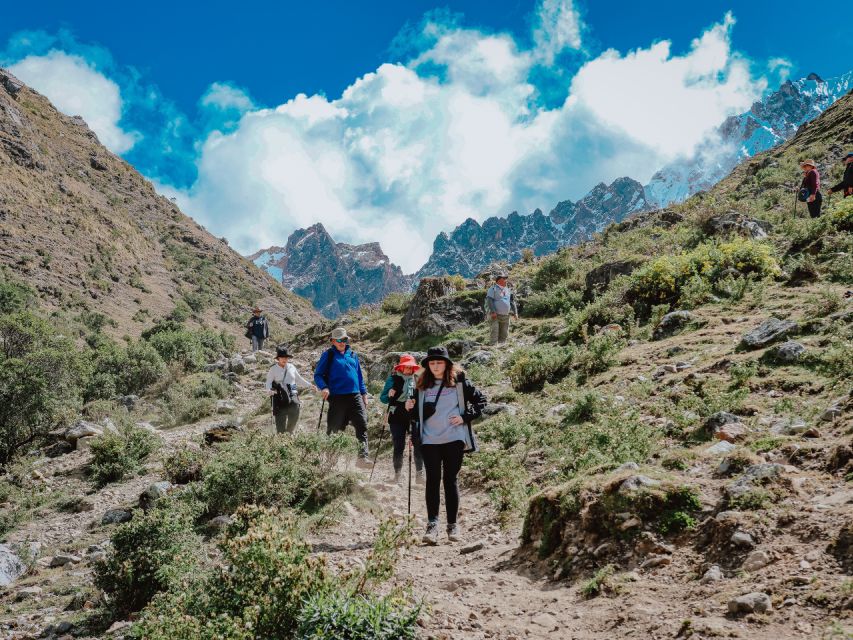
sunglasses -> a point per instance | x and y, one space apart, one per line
342 340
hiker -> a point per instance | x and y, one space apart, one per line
811 181
339 378
282 382
846 184
257 329
500 300
444 405
399 387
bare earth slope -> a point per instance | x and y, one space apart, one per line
89 233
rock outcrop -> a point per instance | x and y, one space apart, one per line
438 308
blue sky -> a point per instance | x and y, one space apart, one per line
391 121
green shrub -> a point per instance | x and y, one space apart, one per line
118 455
665 279
599 354
553 269
609 308
192 398
179 346
215 343
608 442
14 296
22 496
502 477
148 554
598 583
554 301
395 303
458 282
356 617
183 465
144 367
506 429
530 368
584 409
264 469
42 376
742 372
270 585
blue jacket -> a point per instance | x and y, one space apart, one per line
344 373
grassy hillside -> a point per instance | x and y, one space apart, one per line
90 235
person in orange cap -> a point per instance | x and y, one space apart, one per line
400 387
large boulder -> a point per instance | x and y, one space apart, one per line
437 309
767 333
82 429
674 322
734 222
599 278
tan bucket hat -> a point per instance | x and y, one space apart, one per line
339 334
808 163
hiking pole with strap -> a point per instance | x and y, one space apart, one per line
379 445
320 419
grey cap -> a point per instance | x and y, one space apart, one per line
339 334
501 274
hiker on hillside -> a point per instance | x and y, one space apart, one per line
282 382
846 184
811 181
257 329
444 405
339 378
500 301
399 387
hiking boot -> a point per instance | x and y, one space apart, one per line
398 477
419 477
363 463
431 534
453 533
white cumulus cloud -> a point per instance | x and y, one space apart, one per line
75 87
413 149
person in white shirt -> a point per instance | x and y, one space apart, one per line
282 382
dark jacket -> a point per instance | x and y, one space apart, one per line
341 375
475 402
397 413
846 180
258 327
811 181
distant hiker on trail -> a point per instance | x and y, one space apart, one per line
399 387
282 382
444 405
339 378
257 329
846 184
811 181
500 301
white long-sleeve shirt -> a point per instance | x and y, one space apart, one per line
286 376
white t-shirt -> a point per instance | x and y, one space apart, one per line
286 376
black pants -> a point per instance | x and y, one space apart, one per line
348 409
814 207
287 418
446 458
398 435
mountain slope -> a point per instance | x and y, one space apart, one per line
335 277
90 234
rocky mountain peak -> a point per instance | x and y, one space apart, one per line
334 276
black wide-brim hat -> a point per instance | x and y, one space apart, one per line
282 352
436 353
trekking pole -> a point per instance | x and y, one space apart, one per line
411 446
320 419
379 445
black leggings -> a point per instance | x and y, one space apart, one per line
449 457
398 435
814 207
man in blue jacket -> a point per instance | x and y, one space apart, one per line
338 377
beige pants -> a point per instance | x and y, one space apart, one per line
499 329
